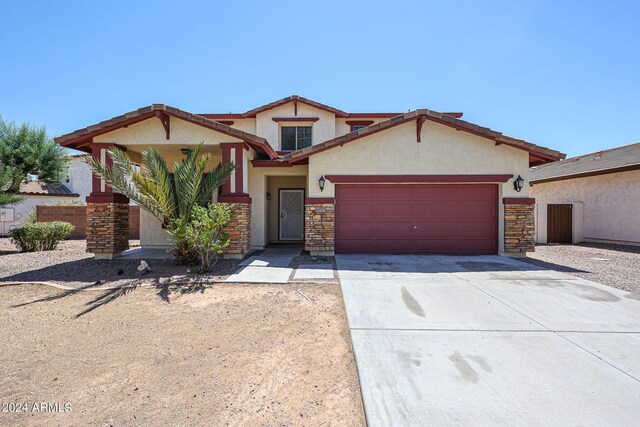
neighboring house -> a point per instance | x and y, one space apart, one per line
76 187
594 197
419 182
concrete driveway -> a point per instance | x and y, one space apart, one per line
446 340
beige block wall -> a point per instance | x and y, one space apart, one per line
273 206
611 204
443 151
322 130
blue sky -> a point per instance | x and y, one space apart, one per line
562 74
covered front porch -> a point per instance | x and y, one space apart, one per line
174 134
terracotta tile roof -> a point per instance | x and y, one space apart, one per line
294 98
37 188
612 160
537 153
82 135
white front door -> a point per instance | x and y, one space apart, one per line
291 214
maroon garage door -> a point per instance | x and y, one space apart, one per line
406 218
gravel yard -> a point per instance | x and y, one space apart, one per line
71 266
617 266
215 355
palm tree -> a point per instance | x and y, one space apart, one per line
170 197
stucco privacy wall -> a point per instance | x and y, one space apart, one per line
443 151
611 204
258 190
323 130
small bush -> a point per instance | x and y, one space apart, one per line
40 236
204 234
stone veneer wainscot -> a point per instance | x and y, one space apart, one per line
519 227
319 227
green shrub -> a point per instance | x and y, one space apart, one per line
40 236
204 234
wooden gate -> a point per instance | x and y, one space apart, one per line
559 224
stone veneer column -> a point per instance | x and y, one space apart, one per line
107 227
239 228
519 226
319 226
107 213
233 192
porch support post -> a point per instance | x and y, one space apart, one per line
235 192
107 213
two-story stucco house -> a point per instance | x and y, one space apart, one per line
419 182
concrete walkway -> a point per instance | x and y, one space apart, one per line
443 340
269 267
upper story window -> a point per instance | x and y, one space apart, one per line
356 127
295 137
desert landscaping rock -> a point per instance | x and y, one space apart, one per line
70 265
612 265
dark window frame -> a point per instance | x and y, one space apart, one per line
296 135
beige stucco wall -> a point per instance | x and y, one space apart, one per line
28 205
80 180
611 204
322 130
151 131
443 151
273 206
258 187
247 125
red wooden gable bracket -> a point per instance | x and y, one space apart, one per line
164 119
419 124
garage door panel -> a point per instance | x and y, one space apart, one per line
393 210
433 210
364 209
406 218
394 193
390 227
357 192
349 228
432 192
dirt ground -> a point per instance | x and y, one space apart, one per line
273 355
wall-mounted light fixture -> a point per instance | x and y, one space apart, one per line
321 182
518 183
186 151
268 196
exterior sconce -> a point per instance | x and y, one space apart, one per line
268 196
321 182
518 183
